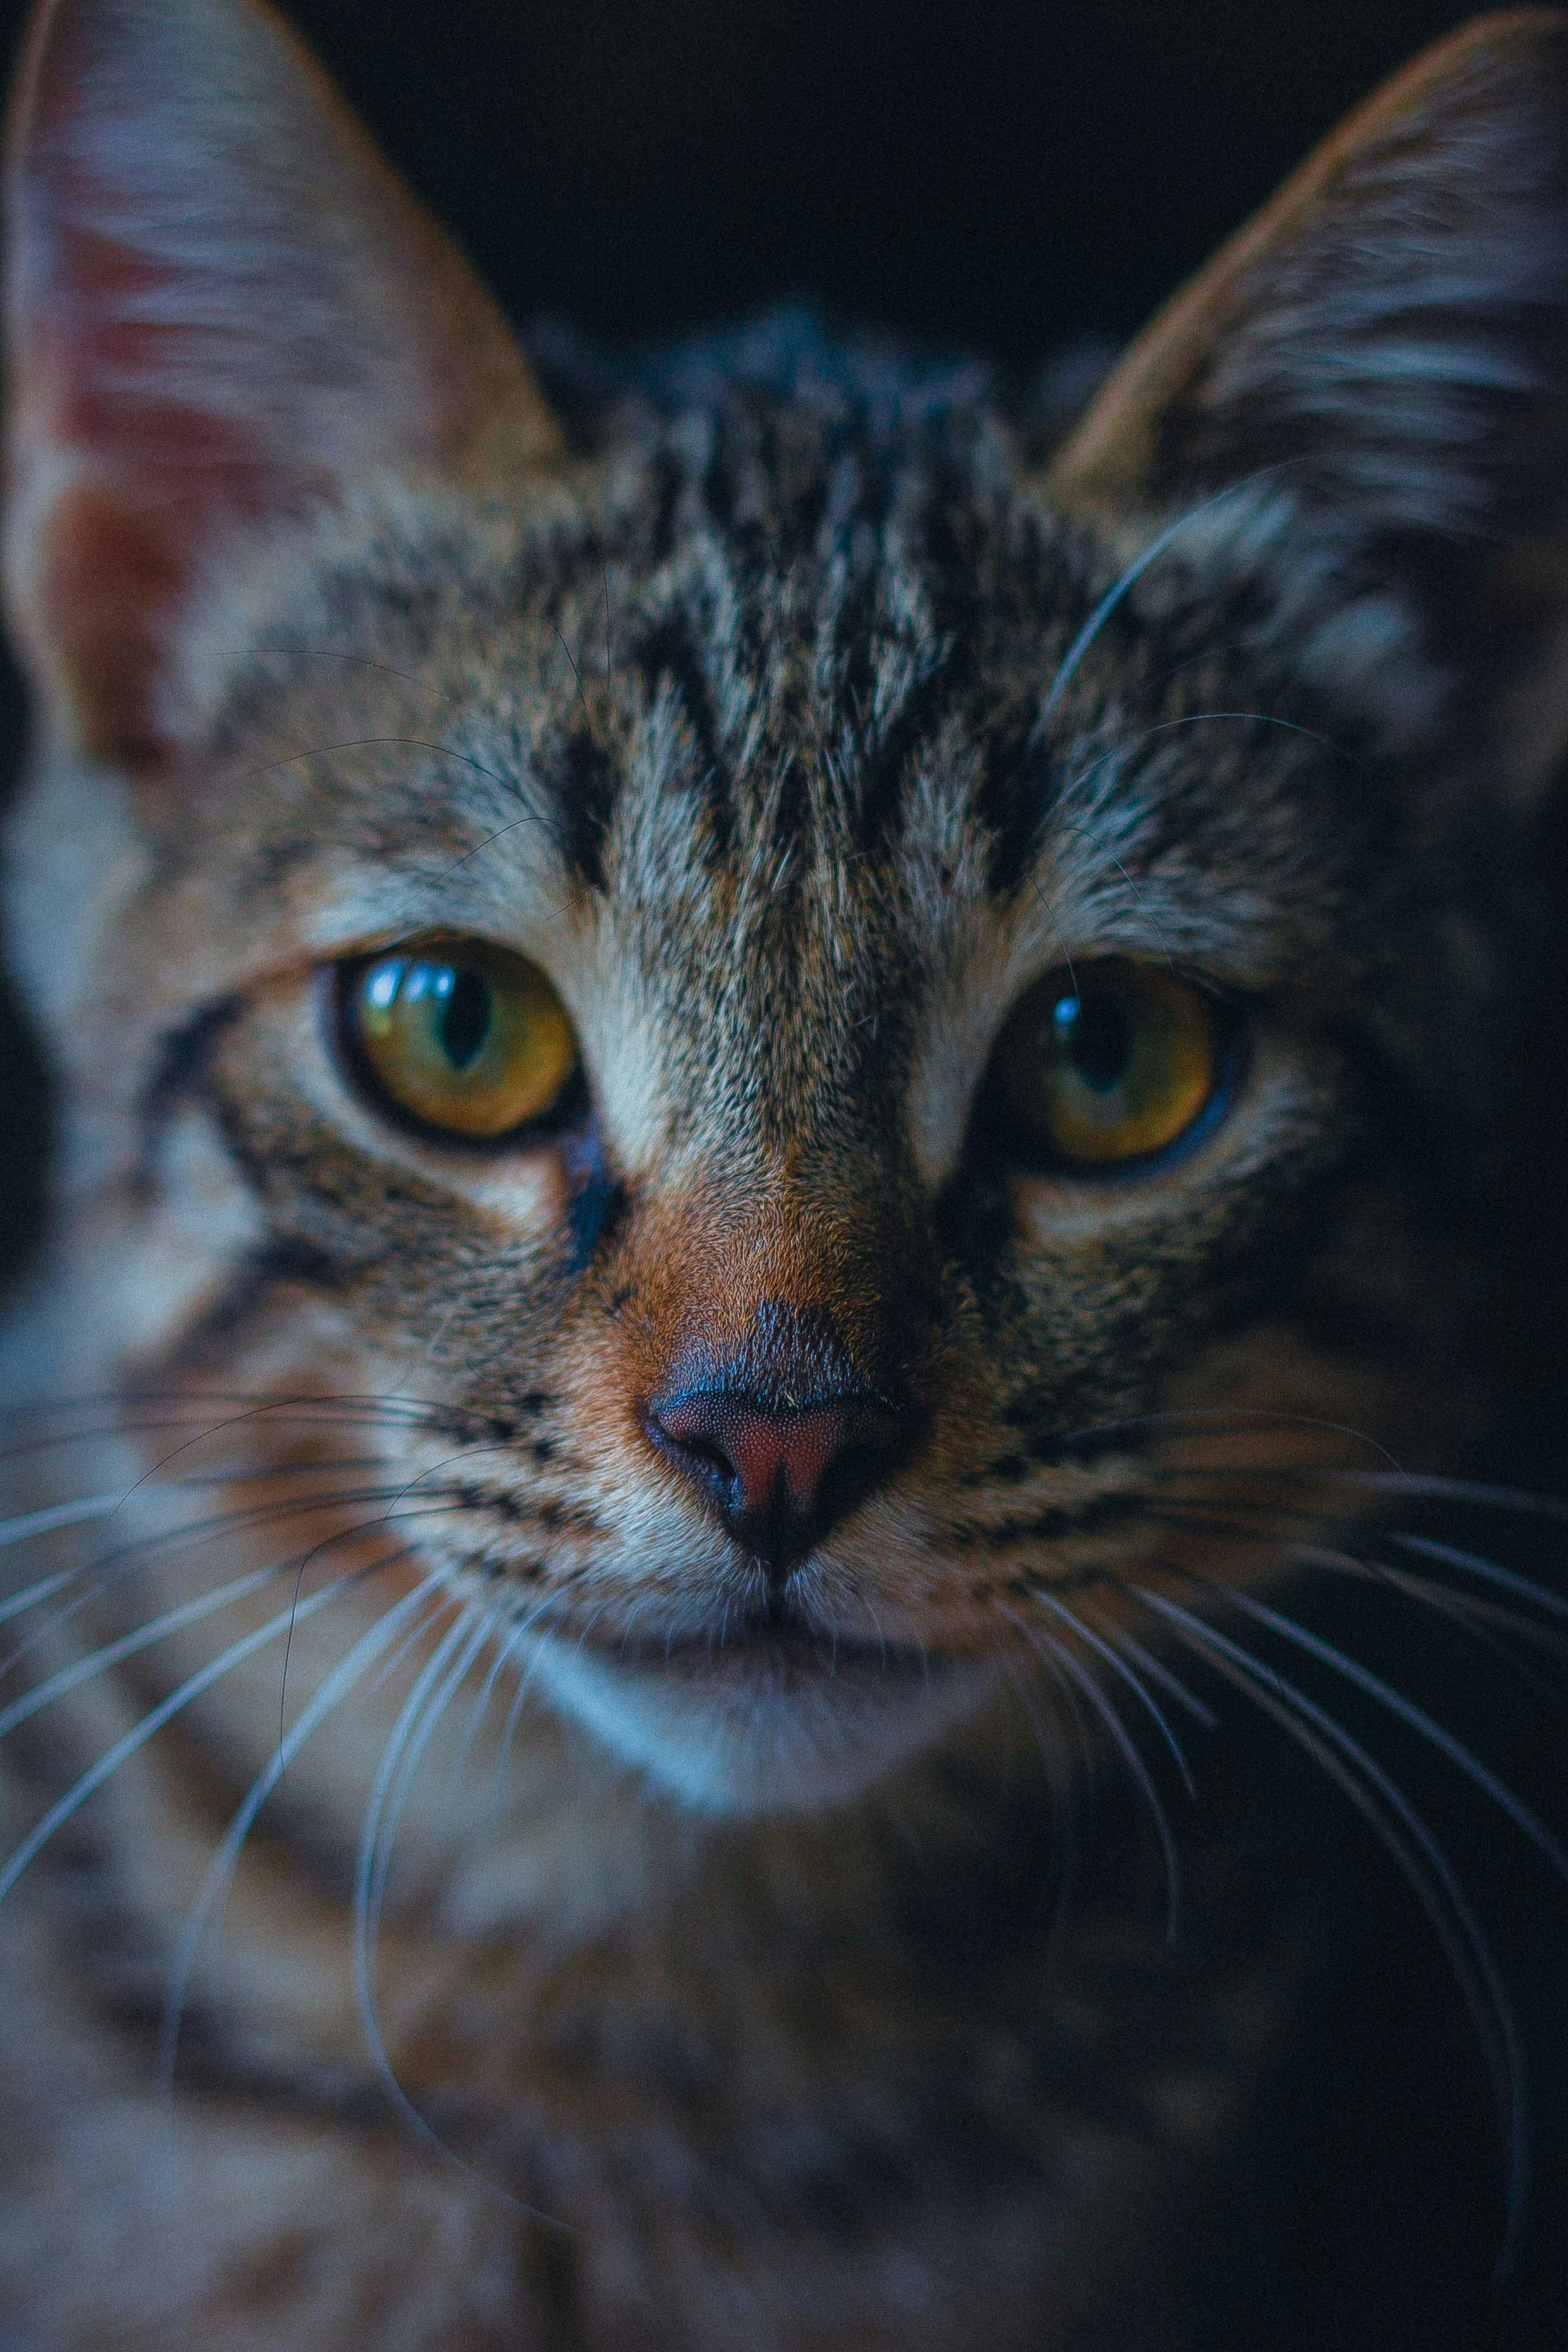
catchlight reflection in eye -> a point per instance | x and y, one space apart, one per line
458 1035
1109 1064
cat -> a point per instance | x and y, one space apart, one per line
775 1110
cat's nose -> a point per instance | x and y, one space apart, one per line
778 1476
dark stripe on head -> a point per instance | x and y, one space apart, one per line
585 787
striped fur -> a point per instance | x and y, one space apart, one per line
782 709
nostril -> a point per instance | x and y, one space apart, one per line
714 1455
690 1428
703 1453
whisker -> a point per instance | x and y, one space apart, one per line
1472 1610
1470 1564
1426 1727
1415 1717
129 1417
1396 1481
1126 1749
210 1895
397 1495
1118 1665
368 1857
1064 1791
1240 1418
1484 1621
1422 1861
45 1522
113 1567
1158 1671
1196 719
138 1735
1128 580
519 1697
480 1709
1461 1609
32 1595
366 1870
409 1642
98 1662
467 1655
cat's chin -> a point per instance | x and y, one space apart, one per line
766 1725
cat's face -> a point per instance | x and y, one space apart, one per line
846 1023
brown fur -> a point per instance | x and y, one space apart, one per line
770 721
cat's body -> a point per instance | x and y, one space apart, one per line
850 1488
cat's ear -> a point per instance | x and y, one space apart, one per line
224 311
1383 355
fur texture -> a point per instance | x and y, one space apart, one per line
781 709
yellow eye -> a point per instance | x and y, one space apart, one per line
459 1036
1109 1064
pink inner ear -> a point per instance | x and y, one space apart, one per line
113 583
158 482
222 310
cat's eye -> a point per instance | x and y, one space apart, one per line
1110 1065
459 1036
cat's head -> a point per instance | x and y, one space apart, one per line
862 1040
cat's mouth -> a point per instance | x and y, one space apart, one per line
767 1651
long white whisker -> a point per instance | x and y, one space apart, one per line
367 1860
1158 1671
1127 581
392 1498
1487 1622
1418 1720
1119 1666
480 1709
190 1689
1426 1869
43 1523
337 1686
520 1696
365 1869
1471 1564
114 1566
1220 1417
98 1662
1444 1490
1128 1749
399 1794
409 1641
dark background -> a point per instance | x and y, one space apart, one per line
1003 175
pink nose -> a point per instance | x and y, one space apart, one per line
776 1477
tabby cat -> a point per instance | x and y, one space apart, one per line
787 1116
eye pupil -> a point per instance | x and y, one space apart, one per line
1094 1035
1106 1065
465 1015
